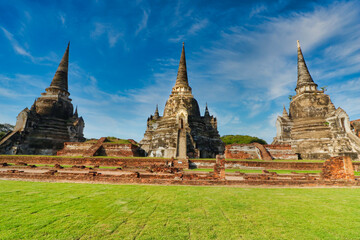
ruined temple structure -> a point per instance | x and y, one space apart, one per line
182 132
49 122
314 128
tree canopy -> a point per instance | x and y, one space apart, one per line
5 128
241 139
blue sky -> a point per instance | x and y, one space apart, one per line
241 58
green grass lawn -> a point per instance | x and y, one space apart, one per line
93 211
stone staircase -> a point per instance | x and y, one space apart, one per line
7 137
93 149
264 154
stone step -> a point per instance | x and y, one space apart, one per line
93 149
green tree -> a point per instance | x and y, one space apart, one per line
241 139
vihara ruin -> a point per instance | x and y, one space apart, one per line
313 128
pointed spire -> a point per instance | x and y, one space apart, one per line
76 112
285 113
156 114
304 77
60 79
207 111
182 78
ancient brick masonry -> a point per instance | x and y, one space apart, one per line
314 128
337 168
50 121
219 167
94 148
161 172
258 151
182 125
101 148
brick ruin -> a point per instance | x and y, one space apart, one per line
335 172
338 168
314 128
182 132
101 147
50 121
355 127
258 151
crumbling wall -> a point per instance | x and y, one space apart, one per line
119 150
281 152
338 168
219 167
261 164
86 161
258 151
100 148
241 151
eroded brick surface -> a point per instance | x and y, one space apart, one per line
337 168
258 151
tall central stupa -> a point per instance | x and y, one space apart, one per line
182 131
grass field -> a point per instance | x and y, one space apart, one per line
94 211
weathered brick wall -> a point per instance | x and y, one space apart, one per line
241 151
258 151
261 164
178 179
74 148
337 168
219 167
281 152
104 149
264 154
119 150
143 162
86 161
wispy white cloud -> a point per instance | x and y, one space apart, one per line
142 25
8 93
262 61
16 46
62 18
21 50
258 8
267 7
112 34
197 26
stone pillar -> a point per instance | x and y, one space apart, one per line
219 167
